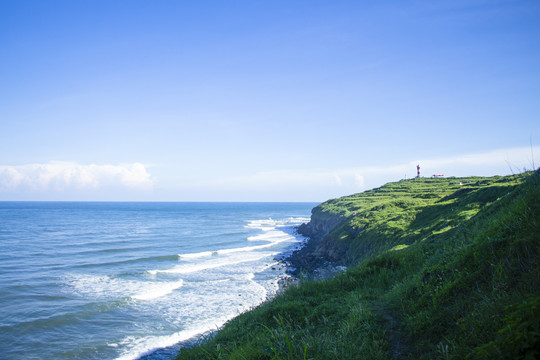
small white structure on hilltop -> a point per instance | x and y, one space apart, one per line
417 171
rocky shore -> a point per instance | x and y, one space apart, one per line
321 256
311 261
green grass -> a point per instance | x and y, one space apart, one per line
438 270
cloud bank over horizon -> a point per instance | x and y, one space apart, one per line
57 178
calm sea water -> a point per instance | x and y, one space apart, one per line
120 280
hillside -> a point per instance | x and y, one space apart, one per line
438 268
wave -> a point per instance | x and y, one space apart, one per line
158 290
130 261
107 287
137 348
191 268
143 346
270 236
230 251
197 255
225 257
270 224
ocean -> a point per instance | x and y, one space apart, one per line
112 280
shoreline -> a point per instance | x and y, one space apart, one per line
285 263
307 262
295 265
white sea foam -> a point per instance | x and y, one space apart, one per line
213 282
222 303
207 265
137 347
269 224
117 288
197 255
271 235
244 249
158 290
273 239
263 224
206 254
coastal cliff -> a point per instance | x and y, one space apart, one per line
321 253
436 269
349 229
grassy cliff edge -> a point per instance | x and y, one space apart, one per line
437 268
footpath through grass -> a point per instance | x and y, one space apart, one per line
439 270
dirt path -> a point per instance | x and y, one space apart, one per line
395 334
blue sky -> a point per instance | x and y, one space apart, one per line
261 100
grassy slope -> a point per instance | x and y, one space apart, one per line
442 270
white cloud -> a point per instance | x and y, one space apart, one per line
68 176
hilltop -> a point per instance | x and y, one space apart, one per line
437 268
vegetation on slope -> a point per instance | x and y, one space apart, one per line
438 270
